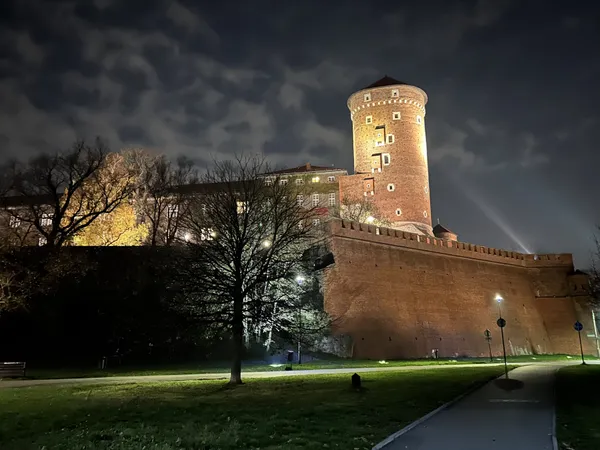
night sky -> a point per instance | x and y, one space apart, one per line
512 121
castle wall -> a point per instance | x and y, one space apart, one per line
400 295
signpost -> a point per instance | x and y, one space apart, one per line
502 323
488 338
578 327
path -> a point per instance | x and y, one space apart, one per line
492 418
225 376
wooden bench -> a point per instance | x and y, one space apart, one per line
12 369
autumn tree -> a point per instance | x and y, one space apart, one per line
162 193
118 228
65 192
244 234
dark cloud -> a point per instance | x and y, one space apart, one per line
512 119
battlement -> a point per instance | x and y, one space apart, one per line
398 238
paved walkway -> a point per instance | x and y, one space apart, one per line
492 418
225 376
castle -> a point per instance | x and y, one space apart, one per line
408 290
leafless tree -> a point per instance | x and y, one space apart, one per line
63 193
243 233
594 274
162 193
360 210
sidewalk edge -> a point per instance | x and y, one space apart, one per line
392 437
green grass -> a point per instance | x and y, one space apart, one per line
578 408
313 412
41 373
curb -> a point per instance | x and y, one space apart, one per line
391 438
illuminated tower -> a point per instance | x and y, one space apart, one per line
390 152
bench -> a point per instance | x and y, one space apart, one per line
12 369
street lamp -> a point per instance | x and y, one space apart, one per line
502 323
299 279
370 219
266 243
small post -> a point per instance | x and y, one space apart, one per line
488 338
356 381
578 327
502 323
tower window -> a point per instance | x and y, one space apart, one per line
391 187
398 212
395 93
386 159
367 97
299 180
425 214
331 178
369 120
332 199
396 115
315 199
419 119
300 199
390 138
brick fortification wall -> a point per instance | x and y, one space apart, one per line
400 295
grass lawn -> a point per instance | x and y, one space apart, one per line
578 408
41 373
314 412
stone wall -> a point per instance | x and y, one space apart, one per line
400 296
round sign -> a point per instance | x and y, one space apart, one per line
578 326
501 322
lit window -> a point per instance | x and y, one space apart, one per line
386 159
331 178
390 138
419 119
391 187
369 120
396 116
315 179
283 181
14 222
299 180
300 199
172 211
332 199
367 97
315 199
207 234
379 141
268 181
42 241
398 212
316 222
46 220
395 93
241 207
425 214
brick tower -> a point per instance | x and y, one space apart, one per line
390 153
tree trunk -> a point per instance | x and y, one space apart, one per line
237 340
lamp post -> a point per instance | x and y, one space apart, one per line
502 323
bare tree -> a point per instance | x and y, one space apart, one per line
244 232
360 210
594 274
65 192
162 193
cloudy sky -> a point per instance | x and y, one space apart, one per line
513 124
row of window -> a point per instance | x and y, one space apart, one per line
300 181
45 221
395 116
316 199
367 96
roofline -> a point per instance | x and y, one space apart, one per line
388 87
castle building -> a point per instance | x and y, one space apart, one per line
408 290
